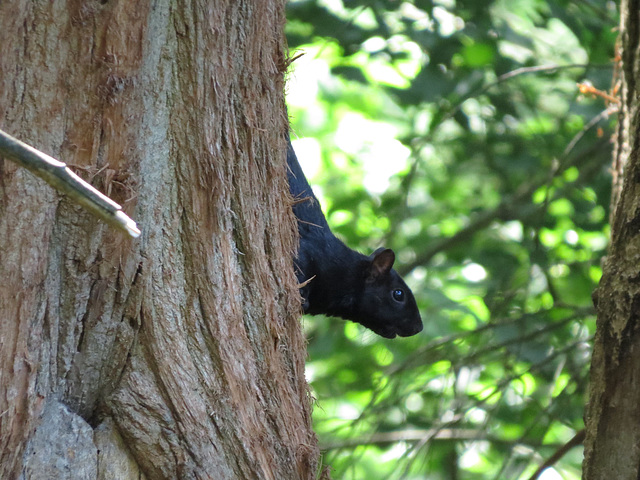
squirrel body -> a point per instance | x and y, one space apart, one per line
340 282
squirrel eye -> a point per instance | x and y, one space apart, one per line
398 295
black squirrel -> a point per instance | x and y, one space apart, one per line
340 282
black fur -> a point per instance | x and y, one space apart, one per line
341 282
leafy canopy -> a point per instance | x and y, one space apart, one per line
454 132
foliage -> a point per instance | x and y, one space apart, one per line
454 132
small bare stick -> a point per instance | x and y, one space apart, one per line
58 175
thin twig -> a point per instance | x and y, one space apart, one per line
574 442
416 435
506 208
60 177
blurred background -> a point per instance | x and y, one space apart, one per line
473 138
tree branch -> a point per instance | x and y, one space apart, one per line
58 175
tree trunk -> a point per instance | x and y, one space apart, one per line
177 355
612 445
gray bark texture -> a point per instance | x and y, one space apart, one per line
179 354
612 444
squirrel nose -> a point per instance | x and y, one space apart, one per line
411 329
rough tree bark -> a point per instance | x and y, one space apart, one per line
612 445
178 355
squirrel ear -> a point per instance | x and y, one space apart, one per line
381 262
